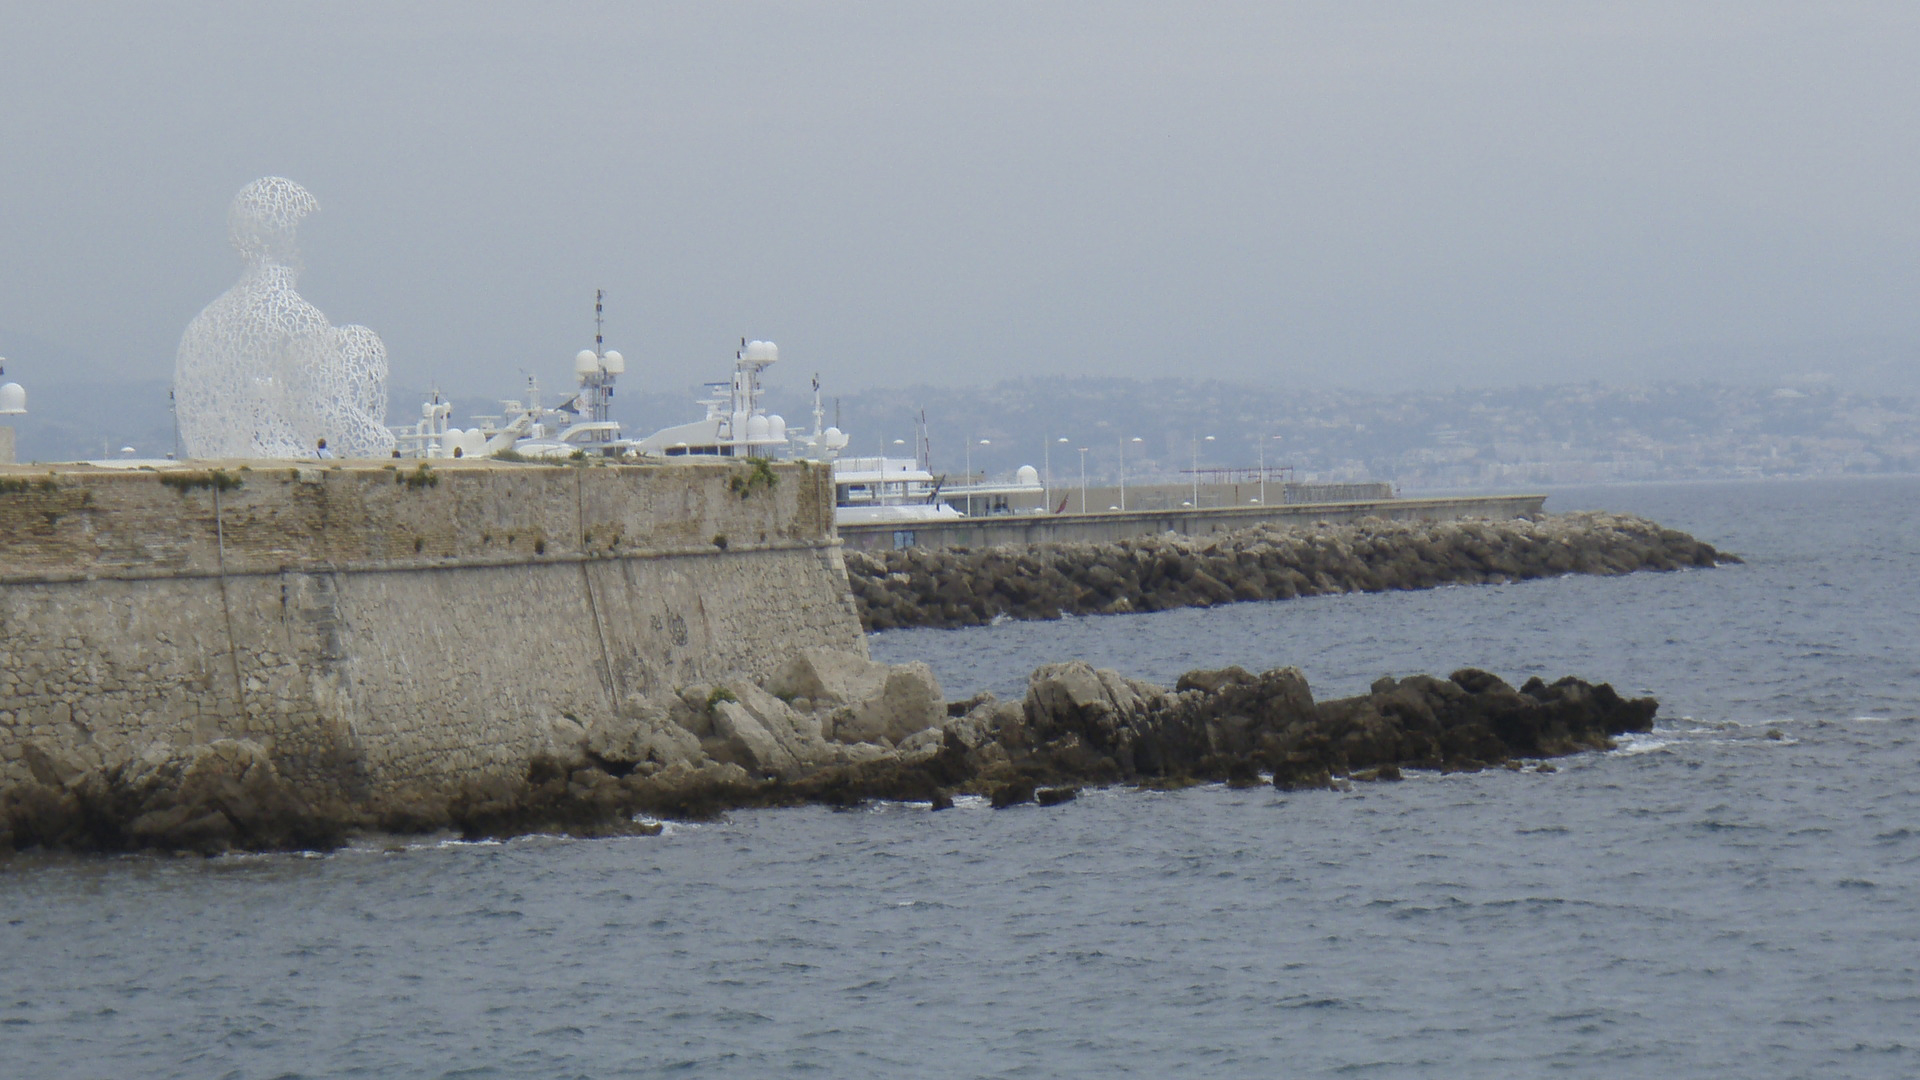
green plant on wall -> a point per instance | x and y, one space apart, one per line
758 477
13 486
420 477
217 480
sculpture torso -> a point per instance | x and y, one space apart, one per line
260 372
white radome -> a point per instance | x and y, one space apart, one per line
13 399
613 363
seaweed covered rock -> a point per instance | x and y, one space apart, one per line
209 798
738 743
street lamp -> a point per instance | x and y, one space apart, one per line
1263 468
1123 469
1196 469
970 484
1046 465
1083 479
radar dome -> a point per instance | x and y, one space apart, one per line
13 399
777 427
585 362
757 428
1028 475
614 363
762 352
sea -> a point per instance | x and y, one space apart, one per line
1736 894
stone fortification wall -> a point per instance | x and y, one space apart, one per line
378 627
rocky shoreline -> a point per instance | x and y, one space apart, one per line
957 587
836 729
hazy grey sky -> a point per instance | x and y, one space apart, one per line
1342 193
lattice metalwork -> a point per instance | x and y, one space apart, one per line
260 372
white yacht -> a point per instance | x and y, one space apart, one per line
736 425
581 425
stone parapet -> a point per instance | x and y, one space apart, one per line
244 518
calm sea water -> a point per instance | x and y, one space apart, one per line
1704 902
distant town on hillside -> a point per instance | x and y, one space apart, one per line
1471 439
1488 439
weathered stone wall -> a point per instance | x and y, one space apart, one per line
378 628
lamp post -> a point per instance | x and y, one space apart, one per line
1083 479
1263 469
1046 465
970 484
1123 469
1196 469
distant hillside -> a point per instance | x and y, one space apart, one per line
1420 440
1504 438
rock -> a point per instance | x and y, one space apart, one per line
1076 725
1210 682
800 734
642 735
1301 772
975 727
862 753
749 741
828 677
564 741
1012 793
1074 697
957 587
236 779
184 828
921 745
909 701
53 765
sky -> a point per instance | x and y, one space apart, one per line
1340 194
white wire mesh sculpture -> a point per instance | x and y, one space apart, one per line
260 372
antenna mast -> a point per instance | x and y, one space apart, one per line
598 296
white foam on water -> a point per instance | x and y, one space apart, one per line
1629 745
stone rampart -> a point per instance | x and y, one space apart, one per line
383 628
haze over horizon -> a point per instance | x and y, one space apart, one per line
902 194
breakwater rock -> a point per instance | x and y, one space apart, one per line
959 587
838 729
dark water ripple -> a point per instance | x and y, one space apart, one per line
1704 902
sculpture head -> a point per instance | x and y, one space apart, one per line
264 216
